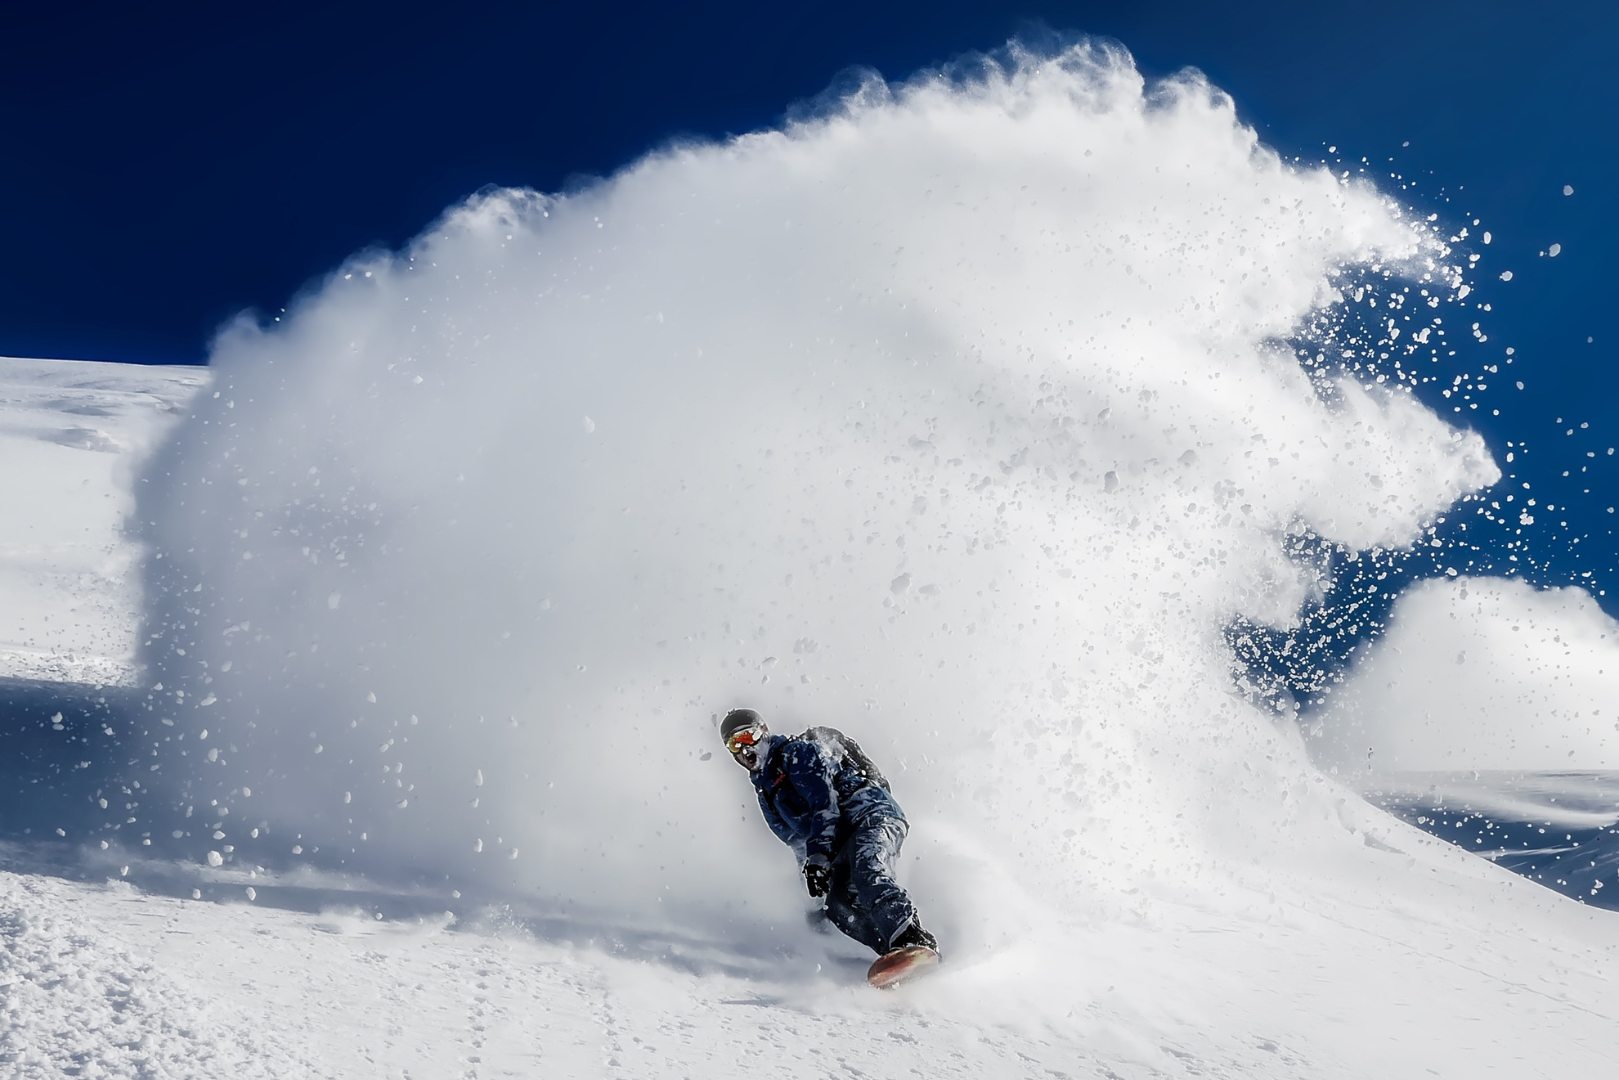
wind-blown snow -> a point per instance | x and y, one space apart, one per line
958 417
954 418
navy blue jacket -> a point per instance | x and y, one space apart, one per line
813 793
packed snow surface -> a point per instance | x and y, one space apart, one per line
107 981
958 415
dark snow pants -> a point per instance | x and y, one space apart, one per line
865 901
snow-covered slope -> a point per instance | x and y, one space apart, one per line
1439 965
69 432
954 417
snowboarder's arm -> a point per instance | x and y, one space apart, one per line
812 774
778 825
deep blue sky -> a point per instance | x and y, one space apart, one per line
166 167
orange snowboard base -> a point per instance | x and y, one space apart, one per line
901 965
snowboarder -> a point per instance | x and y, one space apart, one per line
825 799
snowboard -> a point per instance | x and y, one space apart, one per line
901 966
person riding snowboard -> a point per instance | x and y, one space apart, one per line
825 799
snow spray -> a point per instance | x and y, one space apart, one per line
957 414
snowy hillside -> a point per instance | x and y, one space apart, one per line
954 417
70 434
1437 965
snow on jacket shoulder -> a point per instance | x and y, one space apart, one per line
813 792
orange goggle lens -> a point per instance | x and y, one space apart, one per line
745 737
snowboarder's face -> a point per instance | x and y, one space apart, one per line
746 744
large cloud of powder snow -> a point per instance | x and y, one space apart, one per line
956 416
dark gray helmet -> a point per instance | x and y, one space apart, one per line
736 720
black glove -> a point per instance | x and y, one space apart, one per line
817 878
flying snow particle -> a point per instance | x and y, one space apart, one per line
1568 189
1506 275
1555 250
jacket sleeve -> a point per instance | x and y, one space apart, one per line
812 775
783 831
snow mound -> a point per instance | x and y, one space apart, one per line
1482 674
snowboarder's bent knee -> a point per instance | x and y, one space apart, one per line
823 797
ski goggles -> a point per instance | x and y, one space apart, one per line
748 736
